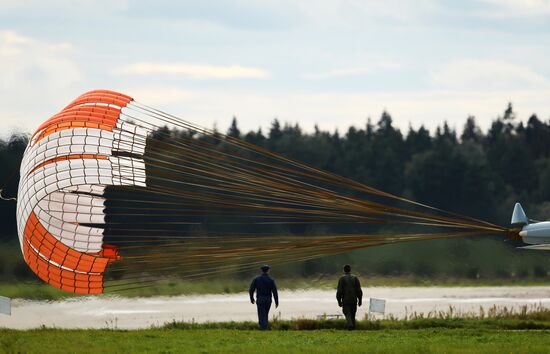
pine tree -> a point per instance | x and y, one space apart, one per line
233 130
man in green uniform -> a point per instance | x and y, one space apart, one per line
349 295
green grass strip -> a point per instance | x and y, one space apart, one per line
431 340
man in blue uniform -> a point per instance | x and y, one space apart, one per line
264 286
349 295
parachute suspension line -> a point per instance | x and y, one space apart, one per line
199 172
186 264
381 193
198 154
287 195
212 269
6 198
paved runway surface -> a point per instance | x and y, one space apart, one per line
111 312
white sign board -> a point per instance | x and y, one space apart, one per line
377 306
5 305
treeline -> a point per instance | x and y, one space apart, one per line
476 173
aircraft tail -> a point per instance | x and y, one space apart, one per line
518 216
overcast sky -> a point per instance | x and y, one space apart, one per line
331 63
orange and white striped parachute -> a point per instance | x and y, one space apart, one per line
188 198
69 162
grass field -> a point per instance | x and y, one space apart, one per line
42 291
498 331
432 340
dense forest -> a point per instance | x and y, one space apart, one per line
472 172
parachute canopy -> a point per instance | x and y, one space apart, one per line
70 160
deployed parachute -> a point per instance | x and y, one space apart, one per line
105 185
70 160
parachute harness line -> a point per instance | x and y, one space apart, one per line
108 192
6 198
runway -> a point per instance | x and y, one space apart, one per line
131 313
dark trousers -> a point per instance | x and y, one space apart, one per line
349 311
263 313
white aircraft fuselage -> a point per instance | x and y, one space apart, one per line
536 234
